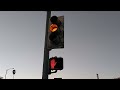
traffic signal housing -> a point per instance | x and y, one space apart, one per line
56 63
56 32
14 71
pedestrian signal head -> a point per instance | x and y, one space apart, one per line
56 63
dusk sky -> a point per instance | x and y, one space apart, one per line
91 39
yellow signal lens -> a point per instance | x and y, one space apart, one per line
53 28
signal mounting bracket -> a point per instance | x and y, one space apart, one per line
53 72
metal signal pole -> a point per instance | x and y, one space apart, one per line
46 50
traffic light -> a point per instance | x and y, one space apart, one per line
56 63
56 32
14 71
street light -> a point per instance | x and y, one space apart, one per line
6 71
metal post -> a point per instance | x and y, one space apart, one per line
6 74
13 76
46 51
